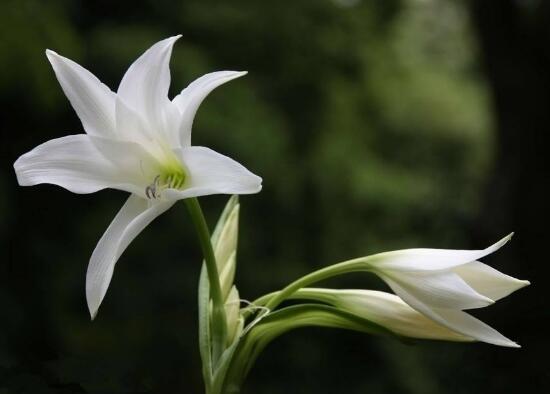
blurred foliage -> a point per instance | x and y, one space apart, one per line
369 122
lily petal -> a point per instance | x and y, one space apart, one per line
171 121
144 87
455 320
439 289
73 162
489 281
431 259
213 173
135 164
475 328
385 309
134 216
92 100
130 125
190 98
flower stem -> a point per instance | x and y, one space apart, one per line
219 325
274 299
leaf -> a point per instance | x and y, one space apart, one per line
280 322
224 364
205 344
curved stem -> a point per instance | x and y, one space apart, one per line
304 293
274 299
219 325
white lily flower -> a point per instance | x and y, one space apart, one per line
385 309
442 283
137 140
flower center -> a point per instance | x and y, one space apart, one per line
172 177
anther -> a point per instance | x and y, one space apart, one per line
151 190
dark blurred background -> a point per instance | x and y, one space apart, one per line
376 125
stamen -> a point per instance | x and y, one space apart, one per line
161 182
149 193
151 190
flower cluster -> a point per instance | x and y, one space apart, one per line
139 141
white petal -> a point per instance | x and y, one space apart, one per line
212 173
134 216
92 100
488 281
430 259
455 320
144 87
389 311
438 289
136 165
73 162
170 128
130 125
189 100
475 328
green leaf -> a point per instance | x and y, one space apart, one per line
205 344
223 366
280 322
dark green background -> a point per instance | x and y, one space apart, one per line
376 125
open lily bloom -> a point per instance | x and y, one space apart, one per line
441 283
137 140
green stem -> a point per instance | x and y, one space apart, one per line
219 325
273 300
240 368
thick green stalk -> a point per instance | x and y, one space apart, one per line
219 325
